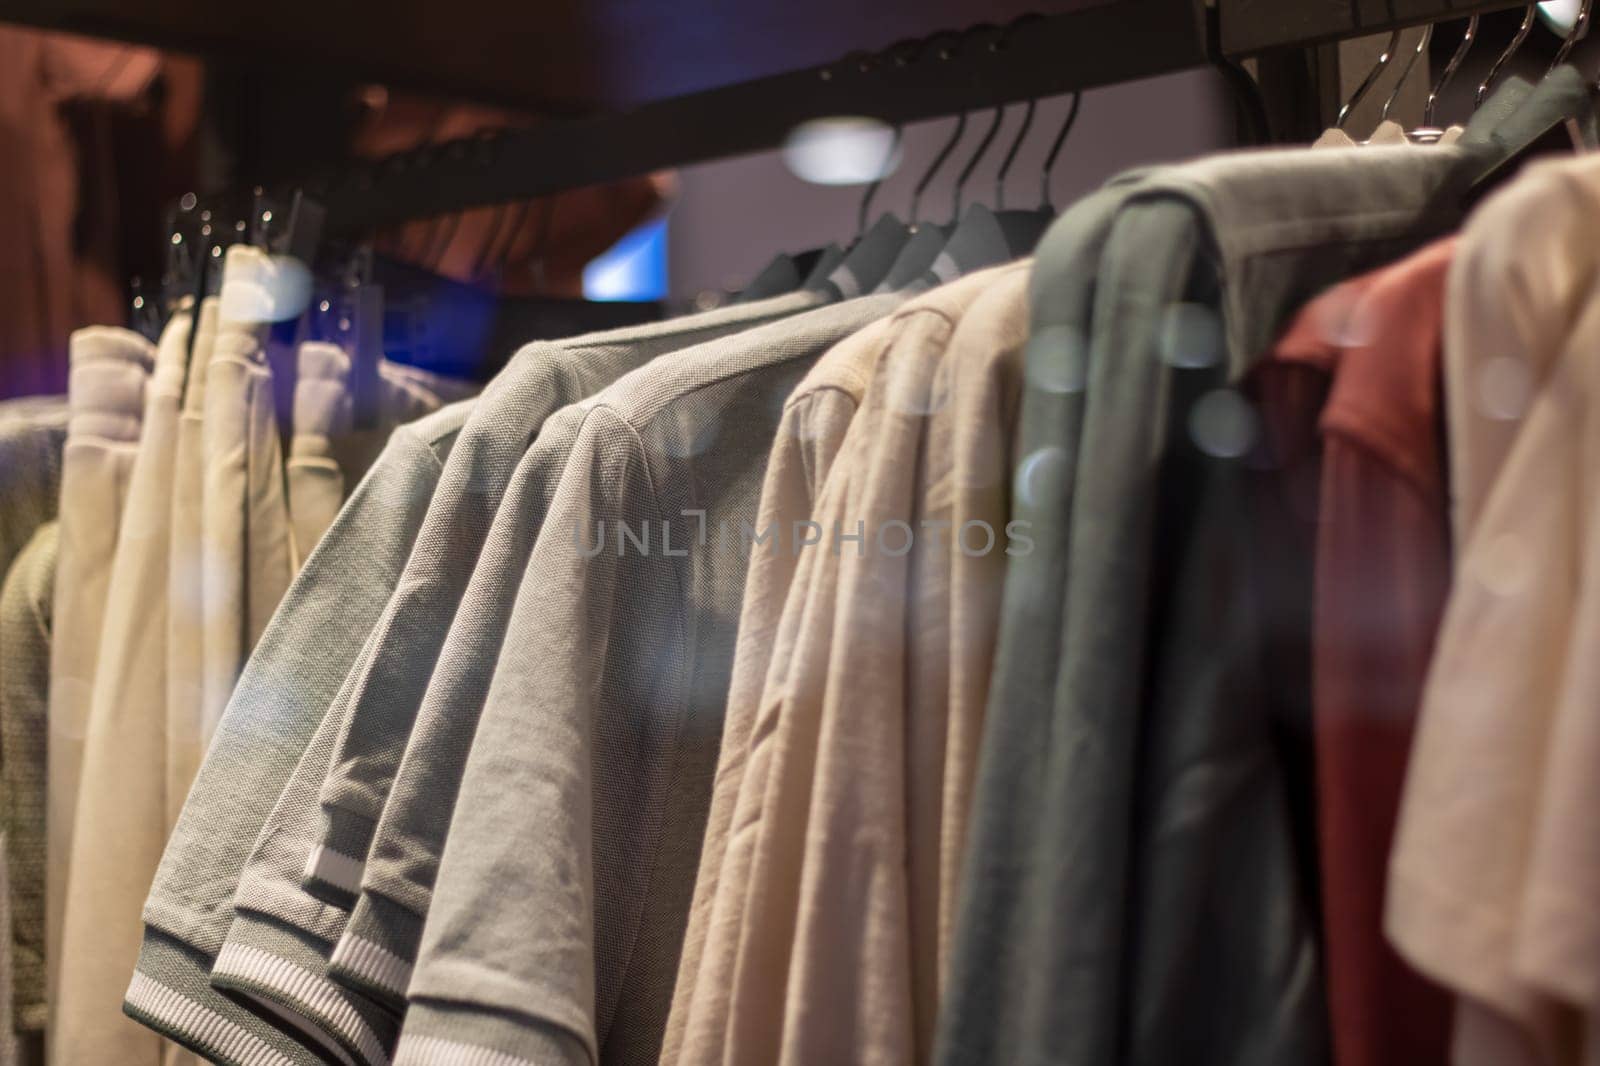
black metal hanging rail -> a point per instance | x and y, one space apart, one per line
1084 44
1033 57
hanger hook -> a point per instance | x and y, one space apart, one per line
1505 57
977 156
1055 151
1405 72
938 161
1372 76
1449 73
1580 26
1011 156
877 183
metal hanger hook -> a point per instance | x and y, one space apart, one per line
1449 73
1505 57
1011 156
1405 72
1055 151
1580 26
977 157
1372 76
938 161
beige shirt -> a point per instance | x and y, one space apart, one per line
967 482
821 967
185 576
815 419
123 811
1494 877
244 529
106 392
1526 265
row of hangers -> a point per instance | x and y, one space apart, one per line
891 254
1428 132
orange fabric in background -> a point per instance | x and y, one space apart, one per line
1382 576
532 248
60 234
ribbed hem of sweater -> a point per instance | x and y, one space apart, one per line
441 1034
378 950
335 866
280 966
171 993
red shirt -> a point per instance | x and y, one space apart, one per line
1382 568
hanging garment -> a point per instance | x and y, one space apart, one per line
33 432
1052 413
598 741
371 742
1488 887
106 392
314 480
27 600
122 809
245 557
1282 225
375 952
185 575
198 905
280 943
297 667
1367 484
327 453
812 431
811 942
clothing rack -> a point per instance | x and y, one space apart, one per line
622 123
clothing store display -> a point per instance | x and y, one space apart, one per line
1148 627
812 430
376 951
786 889
315 635
280 944
106 392
1368 351
1163 315
122 805
1485 885
27 600
540 381
682 441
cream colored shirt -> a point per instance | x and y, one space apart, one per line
122 811
815 419
1494 880
822 969
109 371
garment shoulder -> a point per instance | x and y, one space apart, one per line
432 436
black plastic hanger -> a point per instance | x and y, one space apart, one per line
927 238
812 269
1024 228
